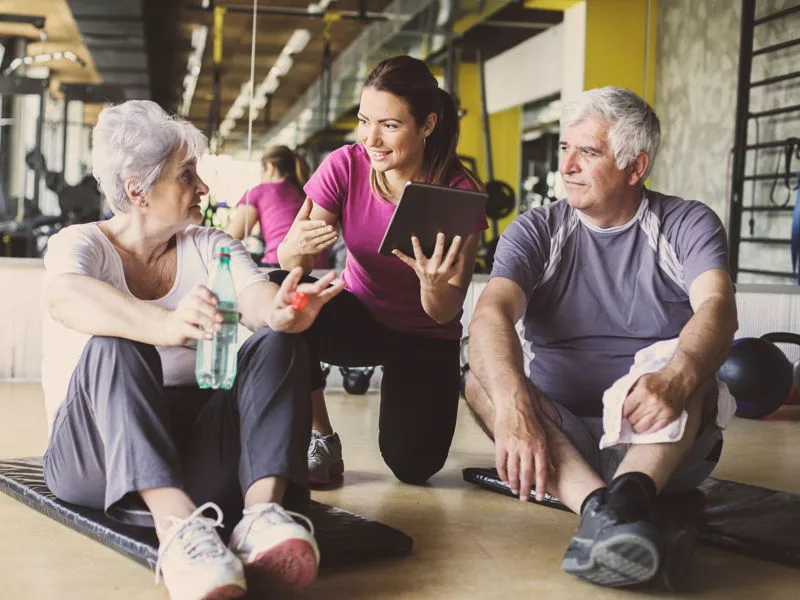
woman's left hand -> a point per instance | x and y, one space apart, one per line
435 272
288 319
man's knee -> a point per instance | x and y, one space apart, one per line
479 404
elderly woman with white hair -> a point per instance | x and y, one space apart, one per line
125 306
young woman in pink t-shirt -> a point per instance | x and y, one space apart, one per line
274 203
397 311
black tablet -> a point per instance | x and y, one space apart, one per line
425 210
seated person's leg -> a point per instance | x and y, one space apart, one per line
262 426
111 439
618 542
573 451
663 461
606 540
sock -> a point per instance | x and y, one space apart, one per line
599 493
636 486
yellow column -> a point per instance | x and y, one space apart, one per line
504 127
621 45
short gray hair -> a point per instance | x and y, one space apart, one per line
633 125
134 140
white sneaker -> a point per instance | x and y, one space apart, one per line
194 562
277 552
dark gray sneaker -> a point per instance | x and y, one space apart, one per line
325 462
612 548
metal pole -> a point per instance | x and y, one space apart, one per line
39 129
740 133
64 138
487 137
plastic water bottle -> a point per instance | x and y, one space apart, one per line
216 358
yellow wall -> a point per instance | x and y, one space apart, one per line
551 4
616 39
504 126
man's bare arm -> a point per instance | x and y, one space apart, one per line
705 340
495 353
522 455
658 398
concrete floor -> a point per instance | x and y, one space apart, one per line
468 543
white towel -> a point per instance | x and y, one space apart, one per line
648 360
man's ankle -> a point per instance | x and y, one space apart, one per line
600 494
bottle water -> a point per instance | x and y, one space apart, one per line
216 358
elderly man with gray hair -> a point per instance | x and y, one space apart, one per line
614 283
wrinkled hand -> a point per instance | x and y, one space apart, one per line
654 401
307 236
195 318
436 271
285 317
522 454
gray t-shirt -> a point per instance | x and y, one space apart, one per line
597 296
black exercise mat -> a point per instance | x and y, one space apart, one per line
343 537
743 518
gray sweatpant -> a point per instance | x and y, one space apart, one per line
120 430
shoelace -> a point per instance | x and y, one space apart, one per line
205 546
318 446
275 514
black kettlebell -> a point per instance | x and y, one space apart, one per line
758 374
326 369
356 379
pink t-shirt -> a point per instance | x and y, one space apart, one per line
277 205
387 286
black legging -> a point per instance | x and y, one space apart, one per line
419 389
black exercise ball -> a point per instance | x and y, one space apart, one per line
758 375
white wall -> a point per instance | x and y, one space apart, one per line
549 63
526 72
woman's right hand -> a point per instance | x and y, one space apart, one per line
307 236
193 319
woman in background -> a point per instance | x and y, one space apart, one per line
274 203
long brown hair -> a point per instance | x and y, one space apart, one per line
410 80
290 165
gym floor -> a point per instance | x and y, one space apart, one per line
468 543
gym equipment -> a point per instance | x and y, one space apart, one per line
758 374
501 201
326 369
343 537
742 518
79 203
356 379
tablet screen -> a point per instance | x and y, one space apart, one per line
425 210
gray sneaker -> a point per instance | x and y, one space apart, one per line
612 548
324 458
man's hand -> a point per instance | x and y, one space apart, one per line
654 401
286 315
522 455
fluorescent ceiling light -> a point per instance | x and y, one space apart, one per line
283 65
298 41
